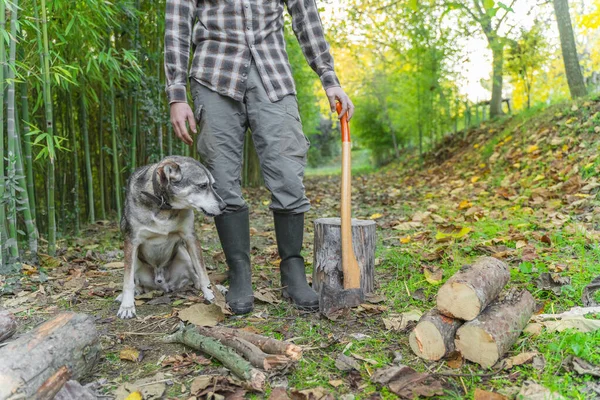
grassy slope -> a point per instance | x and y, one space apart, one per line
510 182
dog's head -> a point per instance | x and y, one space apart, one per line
188 184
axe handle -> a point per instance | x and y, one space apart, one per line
349 263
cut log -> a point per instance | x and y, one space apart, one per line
433 337
190 336
327 263
8 324
265 343
249 350
486 338
53 385
466 294
68 340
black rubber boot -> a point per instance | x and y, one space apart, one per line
289 230
234 233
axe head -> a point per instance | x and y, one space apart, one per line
332 299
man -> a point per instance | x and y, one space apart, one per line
241 78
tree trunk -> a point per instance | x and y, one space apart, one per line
569 49
250 351
83 120
68 340
488 337
497 77
466 294
433 337
327 266
229 358
70 116
8 325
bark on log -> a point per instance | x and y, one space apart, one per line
53 385
8 325
466 294
327 263
485 339
190 336
249 350
433 337
266 344
68 340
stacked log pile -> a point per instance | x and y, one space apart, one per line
472 317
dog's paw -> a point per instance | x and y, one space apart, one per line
126 312
209 296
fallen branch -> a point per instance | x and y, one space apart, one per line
8 324
574 312
249 350
190 336
266 344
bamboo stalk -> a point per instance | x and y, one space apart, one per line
101 155
28 152
83 120
3 231
49 128
75 159
12 138
115 150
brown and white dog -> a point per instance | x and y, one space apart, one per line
161 248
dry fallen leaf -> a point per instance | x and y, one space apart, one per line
484 395
131 354
407 383
401 322
433 274
202 314
519 359
134 396
266 296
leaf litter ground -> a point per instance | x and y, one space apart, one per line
523 190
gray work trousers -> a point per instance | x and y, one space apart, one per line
277 135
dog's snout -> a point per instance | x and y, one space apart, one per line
159 280
222 206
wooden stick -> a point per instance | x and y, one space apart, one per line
266 344
249 350
8 324
226 355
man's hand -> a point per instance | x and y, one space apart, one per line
335 94
181 116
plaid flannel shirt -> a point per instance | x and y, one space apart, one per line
227 35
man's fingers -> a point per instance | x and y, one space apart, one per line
344 101
192 122
331 103
176 129
183 135
350 109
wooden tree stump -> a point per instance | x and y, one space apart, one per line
486 338
433 337
68 340
8 324
466 294
327 265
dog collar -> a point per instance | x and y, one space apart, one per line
162 203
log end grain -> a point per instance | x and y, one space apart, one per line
8 324
476 345
458 300
427 342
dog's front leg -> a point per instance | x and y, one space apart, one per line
199 274
127 309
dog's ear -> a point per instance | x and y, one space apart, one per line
169 172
